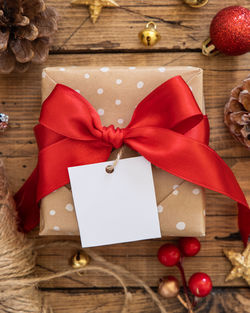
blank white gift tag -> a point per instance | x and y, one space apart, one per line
117 207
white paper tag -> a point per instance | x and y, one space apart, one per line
117 207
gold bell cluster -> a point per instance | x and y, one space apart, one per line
196 3
149 36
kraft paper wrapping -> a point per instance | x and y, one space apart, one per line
114 92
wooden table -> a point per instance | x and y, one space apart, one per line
113 41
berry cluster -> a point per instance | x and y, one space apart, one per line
199 284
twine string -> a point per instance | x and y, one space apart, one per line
110 168
19 281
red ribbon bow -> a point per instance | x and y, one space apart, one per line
167 128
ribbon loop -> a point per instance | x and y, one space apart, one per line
113 136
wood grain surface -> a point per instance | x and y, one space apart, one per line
113 40
229 300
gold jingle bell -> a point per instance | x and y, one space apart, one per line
149 36
80 260
196 3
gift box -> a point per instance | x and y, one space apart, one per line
114 92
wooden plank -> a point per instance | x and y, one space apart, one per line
117 29
106 301
146 267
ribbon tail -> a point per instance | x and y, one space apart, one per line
244 222
200 132
27 207
51 173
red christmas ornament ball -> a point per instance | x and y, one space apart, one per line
200 284
169 255
189 246
230 30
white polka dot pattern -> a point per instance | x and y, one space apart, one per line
161 69
181 226
87 76
62 69
104 69
175 187
160 208
118 81
196 191
69 207
118 102
140 84
77 90
52 212
120 121
56 228
175 192
100 91
100 112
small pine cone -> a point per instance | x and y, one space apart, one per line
25 30
237 113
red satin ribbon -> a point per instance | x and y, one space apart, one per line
167 128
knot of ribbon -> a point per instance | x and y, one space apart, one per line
167 128
113 136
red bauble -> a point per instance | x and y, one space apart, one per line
230 30
189 246
169 255
200 284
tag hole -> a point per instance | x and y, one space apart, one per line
109 169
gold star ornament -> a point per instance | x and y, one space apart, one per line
241 263
95 6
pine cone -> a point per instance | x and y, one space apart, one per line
25 30
237 113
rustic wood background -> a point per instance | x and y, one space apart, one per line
113 41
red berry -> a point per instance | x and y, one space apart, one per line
169 255
200 284
189 246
